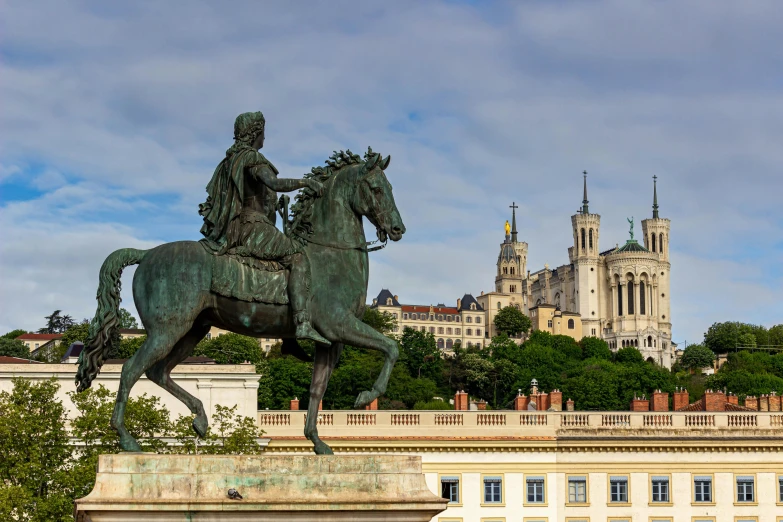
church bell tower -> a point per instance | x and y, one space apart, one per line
584 255
512 259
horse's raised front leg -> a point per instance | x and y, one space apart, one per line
326 358
356 333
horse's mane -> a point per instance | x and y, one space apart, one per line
302 209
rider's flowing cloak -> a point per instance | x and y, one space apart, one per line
225 193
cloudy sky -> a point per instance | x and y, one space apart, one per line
113 116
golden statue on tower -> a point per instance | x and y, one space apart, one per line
508 228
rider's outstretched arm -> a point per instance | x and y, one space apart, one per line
270 179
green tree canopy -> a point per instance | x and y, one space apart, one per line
13 334
725 337
13 348
57 323
595 348
230 348
512 322
696 357
127 320
629 355
383 322
420 354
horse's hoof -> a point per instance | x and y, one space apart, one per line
364 398
322 448
200 425
129 445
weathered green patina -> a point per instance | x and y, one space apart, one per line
182 289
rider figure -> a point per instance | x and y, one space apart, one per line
240 214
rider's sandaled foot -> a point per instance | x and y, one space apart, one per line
306 331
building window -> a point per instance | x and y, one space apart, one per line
493 490
458 331
449 344
449 489
593 332
583 239
440 330
404 316
432 329
478 331
641 297
456 319
619 299
577 489
780 489
469 331
745 488
441 344
499 307
449 331
423 328
618 489
478 320
512 270
660 244
549 323
702 489
389 301
468 319
535 490
660 489
630 298
472 306
505 270
37 345
571 324
513 288
591 239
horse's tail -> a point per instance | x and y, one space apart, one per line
104 326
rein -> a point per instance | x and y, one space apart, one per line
362 247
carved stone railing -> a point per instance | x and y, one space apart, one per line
520 424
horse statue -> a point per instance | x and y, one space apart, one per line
174 293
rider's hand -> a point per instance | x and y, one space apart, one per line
316 186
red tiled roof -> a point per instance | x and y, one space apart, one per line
426 309
4 359
39 337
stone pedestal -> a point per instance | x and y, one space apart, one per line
194 488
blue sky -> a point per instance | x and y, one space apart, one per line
113 117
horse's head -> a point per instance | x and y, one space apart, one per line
375 200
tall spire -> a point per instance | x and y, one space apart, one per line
584 199
655 197
513 208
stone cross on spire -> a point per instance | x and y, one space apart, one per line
513 208
655 197
584 199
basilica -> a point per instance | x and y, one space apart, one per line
620 294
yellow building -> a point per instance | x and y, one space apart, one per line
549 318
531 466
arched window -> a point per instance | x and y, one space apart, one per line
645 343
641 297
505 270
472 306
649 341
570 324
456 319
583 239
449 344
660 242
441 344
619 299
653 242
591 239
468 319
389 301
630 298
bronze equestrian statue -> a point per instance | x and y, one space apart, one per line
248 277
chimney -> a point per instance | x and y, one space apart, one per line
459 303
556 400
294 404
681 399
521 401
570 405
660 401
640 404
321 405
534 387
775 402
732 399
372 406
397 298
752 402
461 401
542 401
375 302
481 405
764 403
714 401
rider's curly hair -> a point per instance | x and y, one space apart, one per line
248 126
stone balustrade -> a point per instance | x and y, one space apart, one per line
515 424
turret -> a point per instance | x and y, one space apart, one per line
656 229
656 239
512 259
585 257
